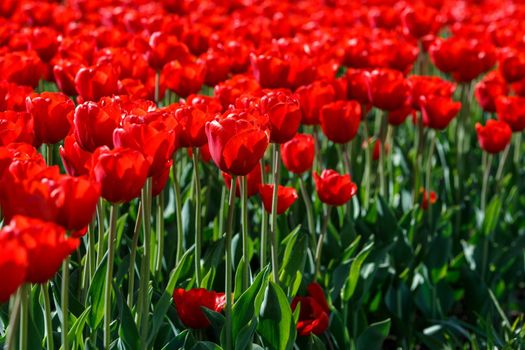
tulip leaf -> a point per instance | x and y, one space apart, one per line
492 214
276 324
237 291
206 345
355 269
177 343
374 336
77 328
216 319
184 266
96 295
159 313
294 259
245 336
128 331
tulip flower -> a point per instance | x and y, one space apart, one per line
333 188
314 313
64 72
93 83
312 97
489 89
217 66
512 65
387 89
192 122
253 179
284 115
438 112
228 91
427 198
188 304
511 110
164 48
494 136
269 69
93 124
76 161
298 153
16 127
357 88
22 68
420 20
286 196
13 264
340 120
184 77
423 86
13 96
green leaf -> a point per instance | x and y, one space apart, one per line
76 330
159 313
177 342
245 336
185 264
216 319
128 331
276 324
492 214
238 279
374 336
96 295
294 259
206 345
353 276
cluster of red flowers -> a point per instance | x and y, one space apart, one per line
273 66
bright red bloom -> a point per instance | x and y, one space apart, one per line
236 144
511 110
189 305
254 179
94 124
399 116
512 64
489 89
340 120
420 20
159 181
52 114
228 91
427 199
76 161
357 88
13 96
46 244
13 265
298 153
494 136
286 196
217 66
270 70
314 313
333 188
122 173
284 114
312 97
192 121
184 77
16 127
93 83
438 111
164 48
387 89
22 68
64 72
44 41
423 86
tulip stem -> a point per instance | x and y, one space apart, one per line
368 164
198 219
264 227
273 215
24 310
14 316
245 236
145 263
157 87
221 215
65 303
319 249
502 161
517 148
100 219
309 211
160 233
382 137
419 142
133 255
433 138
487 164
178 211
228 263
109 273
47 311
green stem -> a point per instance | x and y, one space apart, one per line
198 218
133 255
382 138
228 262
109 274
487 164
157 87
502 161
517 148
419 145
245 236
48 320
100 219
160 233
145 263
319 249
65 303
433 138
14 316
178 211
368 164
273 215
264 228
221 215
309 212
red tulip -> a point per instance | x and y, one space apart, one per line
270 70
184 77
236 145
121 172
52 114
422 86
217 66
254 179
512 65
189 305
23 68
438 111
164 48
340 120
357 88
312 98
494 136
94 124
76 161
64 72
192 121
399 116
489 89
44 41
16 127
93 83
13 96
427 199
13 264
286 196
511 110
334 189
228 91
298 153
314 313
46 244
284 114
420 20
387 89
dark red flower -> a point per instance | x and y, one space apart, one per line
76 161
122 173
189 305
427 199
511 110
93 124
398 116
270 70
420 20
286 196
438 111
387 89
333 188
13 264
284 114
494 136
312 98
93 83
423 86
314 313
13 96
217 66
340 120
512 64
489 89
44 41
254 179
357 88
65 71
46 244
298 153
192 121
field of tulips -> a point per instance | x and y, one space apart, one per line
262 174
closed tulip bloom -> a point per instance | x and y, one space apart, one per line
93 83
75 160
189 303
13 96
184 77
192 122
236 144
398 116
333 188
164 48
270 70
340 120
420 20
228 91
284 114
312 98
64 72
511 110
387 89
494 136
52 114
512 65
253 179
46 244
22 68
13 265
298 153
422 86
489 89
217 66
93 125
286 196
314 313
438 111
122 172
44 41
357 88
16 127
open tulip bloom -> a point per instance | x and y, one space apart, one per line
262 175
